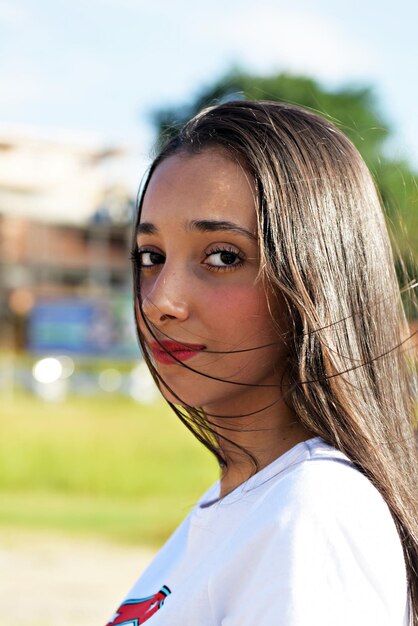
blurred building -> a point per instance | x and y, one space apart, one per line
61 178
65 213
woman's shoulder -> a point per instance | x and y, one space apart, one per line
322 531
311 476
324 480
326 499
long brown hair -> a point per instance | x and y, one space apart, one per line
324 246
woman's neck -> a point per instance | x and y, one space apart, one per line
240 467
266 435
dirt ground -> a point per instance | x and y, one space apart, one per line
52 580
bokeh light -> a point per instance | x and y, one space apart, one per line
142 387
110 380
47 370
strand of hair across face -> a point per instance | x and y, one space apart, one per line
302 382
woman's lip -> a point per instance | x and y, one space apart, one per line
171 352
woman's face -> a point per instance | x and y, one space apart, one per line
198 252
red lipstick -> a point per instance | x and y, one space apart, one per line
170 352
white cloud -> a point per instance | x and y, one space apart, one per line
132 5
24 82
22 88
275 38
12 14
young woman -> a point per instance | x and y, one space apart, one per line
269 313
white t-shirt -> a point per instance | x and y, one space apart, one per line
308 540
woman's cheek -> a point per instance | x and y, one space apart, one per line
230 305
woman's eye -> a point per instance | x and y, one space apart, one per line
223 259
148 258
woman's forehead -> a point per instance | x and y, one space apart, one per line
208 185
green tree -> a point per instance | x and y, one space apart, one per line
353 109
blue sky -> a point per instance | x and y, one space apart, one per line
101 66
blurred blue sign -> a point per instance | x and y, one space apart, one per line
84 327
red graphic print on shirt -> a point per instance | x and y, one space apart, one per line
135 612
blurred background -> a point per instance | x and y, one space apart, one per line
94 471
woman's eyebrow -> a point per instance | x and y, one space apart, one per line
146 228
209 226
203 226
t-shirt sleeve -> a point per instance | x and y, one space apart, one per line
328 554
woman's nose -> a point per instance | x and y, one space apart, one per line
166 299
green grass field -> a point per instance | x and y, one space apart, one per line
102 465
